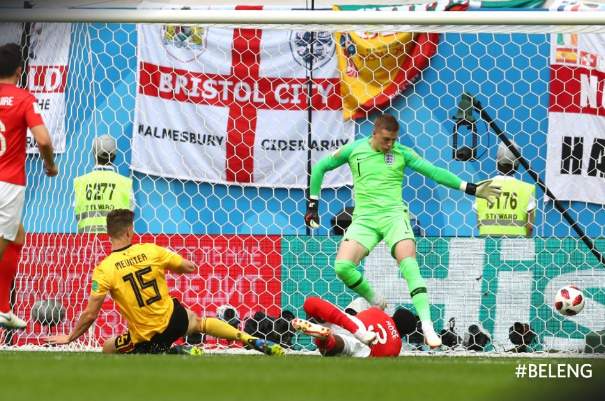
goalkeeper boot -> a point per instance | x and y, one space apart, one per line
310 329
265 346
430 337
9 320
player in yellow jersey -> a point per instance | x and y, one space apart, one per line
135 277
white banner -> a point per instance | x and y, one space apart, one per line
575 163
230 106
47 74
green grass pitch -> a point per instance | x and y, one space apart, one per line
50 376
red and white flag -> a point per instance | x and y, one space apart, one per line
48 65
575 163
230 105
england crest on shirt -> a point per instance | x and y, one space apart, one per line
389 158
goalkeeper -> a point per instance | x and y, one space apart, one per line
377 165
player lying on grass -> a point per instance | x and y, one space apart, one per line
135 277
369 333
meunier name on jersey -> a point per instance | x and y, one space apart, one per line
122 264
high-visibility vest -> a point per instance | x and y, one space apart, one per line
508 215
96 194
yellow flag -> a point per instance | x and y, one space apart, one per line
376 66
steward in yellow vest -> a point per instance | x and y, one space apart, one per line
512 214
102 190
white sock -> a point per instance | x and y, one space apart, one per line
427 325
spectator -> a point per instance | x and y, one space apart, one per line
102 190
512 214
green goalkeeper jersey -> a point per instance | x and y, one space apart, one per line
377 176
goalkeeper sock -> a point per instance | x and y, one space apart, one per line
411 273
219 329
347 272
8 270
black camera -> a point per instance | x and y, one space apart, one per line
476 339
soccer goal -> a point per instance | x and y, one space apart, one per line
219 115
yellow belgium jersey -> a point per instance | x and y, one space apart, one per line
135 277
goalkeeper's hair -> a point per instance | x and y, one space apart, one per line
10 59
386 121
118 221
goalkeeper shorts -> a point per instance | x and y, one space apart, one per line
369 230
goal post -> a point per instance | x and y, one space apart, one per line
438 21
218 113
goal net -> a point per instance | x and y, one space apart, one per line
217 125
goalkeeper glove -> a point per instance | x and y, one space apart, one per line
312 215
485 190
